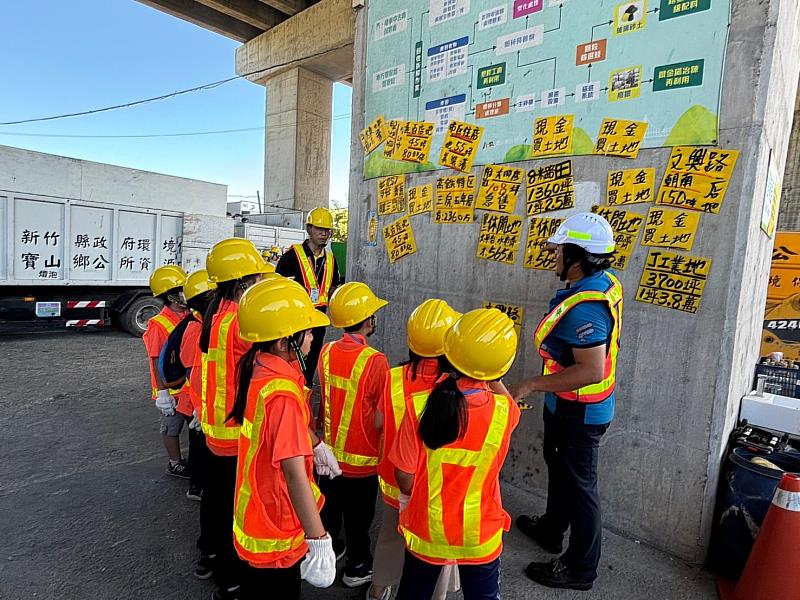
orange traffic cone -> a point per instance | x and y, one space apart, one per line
772 569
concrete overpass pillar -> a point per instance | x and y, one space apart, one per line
298 139
298 61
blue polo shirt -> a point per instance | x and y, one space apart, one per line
586 325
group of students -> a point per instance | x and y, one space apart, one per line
277 484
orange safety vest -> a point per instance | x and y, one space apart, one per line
219 385
404 394
310 276
168 325
343 399
612 295
259 538
453 513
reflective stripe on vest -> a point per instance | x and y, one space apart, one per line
310 277
169 327
596 392
252 431
481 461
214 416
349 386
398 391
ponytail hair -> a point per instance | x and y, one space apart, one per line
244 375
226 290
444 419
414 359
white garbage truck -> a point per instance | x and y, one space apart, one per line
79 239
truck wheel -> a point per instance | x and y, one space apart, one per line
134 319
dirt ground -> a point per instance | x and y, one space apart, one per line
87 511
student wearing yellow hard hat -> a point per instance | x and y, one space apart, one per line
313 266
197 292
233 265
276 515
448 464
352 377
166 283
403 398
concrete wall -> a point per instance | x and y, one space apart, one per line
681 376
50 175
789 216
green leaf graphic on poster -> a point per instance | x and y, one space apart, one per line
376 165
695 127
518 153
581 142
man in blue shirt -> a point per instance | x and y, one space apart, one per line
578 341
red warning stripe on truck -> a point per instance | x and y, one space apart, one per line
86 304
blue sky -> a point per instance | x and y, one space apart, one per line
58 57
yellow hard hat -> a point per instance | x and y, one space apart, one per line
235 258
167 278
352 303
275 309
197 283
428 325
482 344
320 217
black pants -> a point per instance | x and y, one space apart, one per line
352 500
197 451
199 456
570 451
265 584
313 354
216 518
478 582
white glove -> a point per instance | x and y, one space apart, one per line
325 462
319 566
165 403
195 422
403 499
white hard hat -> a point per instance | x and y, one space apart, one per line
587 230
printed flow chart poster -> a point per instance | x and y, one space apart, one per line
502 64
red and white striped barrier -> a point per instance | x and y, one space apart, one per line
86 323
86 304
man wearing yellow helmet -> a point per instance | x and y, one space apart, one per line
578 341
166 283
313 267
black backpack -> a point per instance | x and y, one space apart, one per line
170 368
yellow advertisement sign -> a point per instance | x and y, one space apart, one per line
391 194
673 281
668 228
552 136
414 141
455 200
620 138
499 188
499 238
630 186
460 146
550 188
420 199
400 240
374 134
536 256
